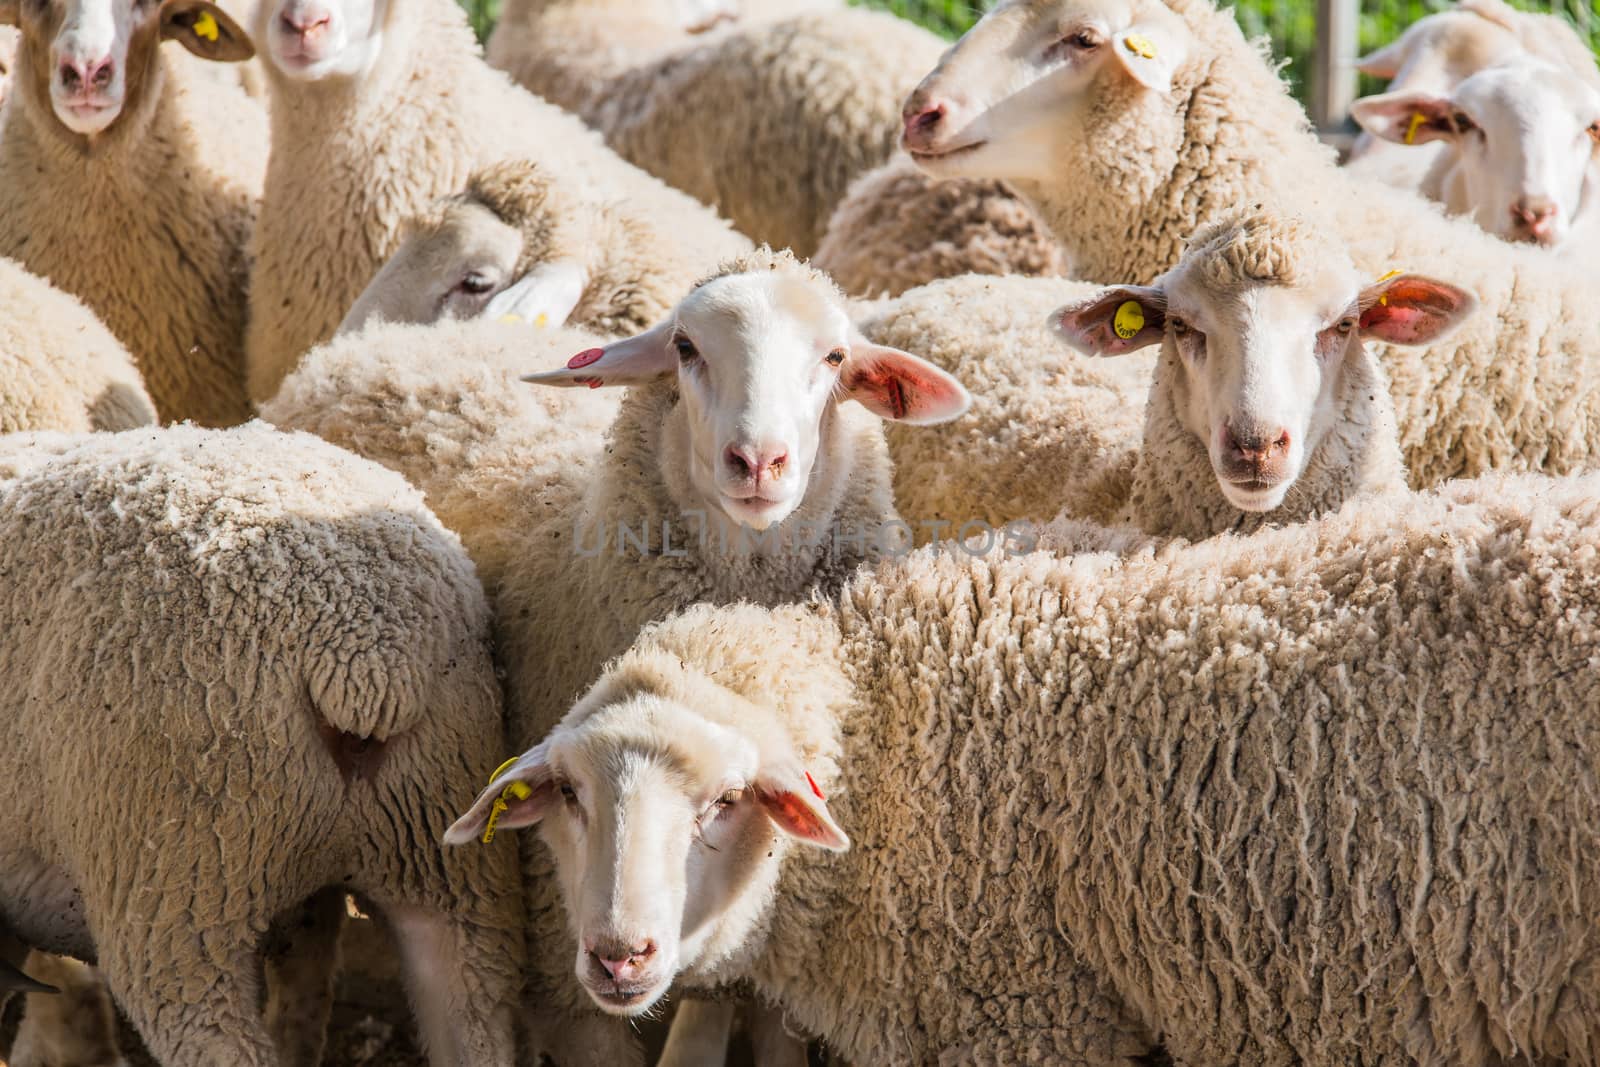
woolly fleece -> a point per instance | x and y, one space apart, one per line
185 613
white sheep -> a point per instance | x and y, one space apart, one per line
273 655
1266 406
1319 796
378 110
60 369
517 243
1520 144
1171 120
735 470
767 120
133 185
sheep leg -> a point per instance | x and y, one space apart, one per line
464 1012
774 1044
699 1034
300 960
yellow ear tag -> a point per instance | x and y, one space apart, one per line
1141 46
1384 299
205 25
542 321
1129 320
513 319
519 790
1417 119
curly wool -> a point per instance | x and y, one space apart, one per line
187 614
353 161
769 123
60 369
156 239
1516 388
897 228
1313 796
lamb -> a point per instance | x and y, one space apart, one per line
784 113
517 243
162 172
1520 143
378 111
897 228
1070 825
60 369
277 654
1124 170
723 477
1266 406
69 1021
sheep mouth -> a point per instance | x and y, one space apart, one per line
622 999
1255 494
924 155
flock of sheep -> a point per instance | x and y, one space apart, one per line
920 653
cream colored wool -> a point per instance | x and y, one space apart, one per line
149 225
193 619
1516 388
354 159
1316 796
74 1027
897 228
1049 430
769 123
60 369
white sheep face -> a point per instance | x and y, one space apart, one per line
667 831
1006 101
1524 140
1253 370
761 358
309 40
91 61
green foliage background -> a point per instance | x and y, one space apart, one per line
1290 23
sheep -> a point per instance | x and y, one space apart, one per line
133 185
1149 141
69 1022
276 655
723 477
372 121
1521 139
517 243
1266 406
1040 785
8 58
897 228
784 113
60 369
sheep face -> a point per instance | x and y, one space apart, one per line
449 267
1524 136
761 359
668 830
1015 94
308 40
90 62
1258 323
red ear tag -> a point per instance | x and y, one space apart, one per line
813 783
584 358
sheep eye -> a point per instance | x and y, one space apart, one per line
1594 132
685 347
568 793
728 799
1084 40
1179 327
476 284
1344 326
835 358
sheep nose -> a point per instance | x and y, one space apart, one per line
306 21
1255 446
923 119
1535 214
79 75
756 462
622 961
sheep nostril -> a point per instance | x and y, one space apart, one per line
738 463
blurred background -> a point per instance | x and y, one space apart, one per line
1348 28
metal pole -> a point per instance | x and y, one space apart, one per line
1333 73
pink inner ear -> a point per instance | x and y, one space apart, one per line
791 812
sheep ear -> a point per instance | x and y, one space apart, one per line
638 359
1115 321
1151 53
13 979
1385 62
897 385
793 802
1407 118
1412 310
206 30
546 296
525 787
10 15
